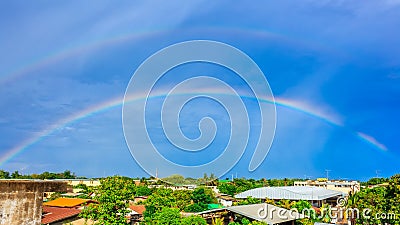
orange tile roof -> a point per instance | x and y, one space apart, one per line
67 202
138 208
54 214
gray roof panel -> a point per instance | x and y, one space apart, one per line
291 193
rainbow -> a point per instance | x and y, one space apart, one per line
71 51
77 49
117 102
90 45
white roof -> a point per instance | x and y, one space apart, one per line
291 193
267 213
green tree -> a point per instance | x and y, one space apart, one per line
183 198
227 188
113 197
284 203
160 198
217 221
167 216
305 208
143 190
270 201
4 174
326 211
196 207
67 175
249 200
378 201
16 175
193 220
200 195
245 221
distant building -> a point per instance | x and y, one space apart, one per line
175 187
343 186
138 199
225 200
87 182
315 195
64 210
378 185
136 214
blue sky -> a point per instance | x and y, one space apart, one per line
333 66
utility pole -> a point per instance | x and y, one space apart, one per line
327 174
377 173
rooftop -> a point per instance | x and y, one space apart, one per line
67 202
267 213
139 209
291 193
55 214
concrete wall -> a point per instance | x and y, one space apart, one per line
21 200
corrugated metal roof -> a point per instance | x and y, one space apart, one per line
67 202
291 193
267 213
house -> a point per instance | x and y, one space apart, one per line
225 200
63 210
57 215
343 186
315 195
263 212
136 214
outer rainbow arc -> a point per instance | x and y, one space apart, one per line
104 106
74 50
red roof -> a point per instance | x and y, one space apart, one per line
138 208
54 214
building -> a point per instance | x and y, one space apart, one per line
58 215
225 200
64 210
315 195
263 212
136 214
87 182
343 186
21 200
175 187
